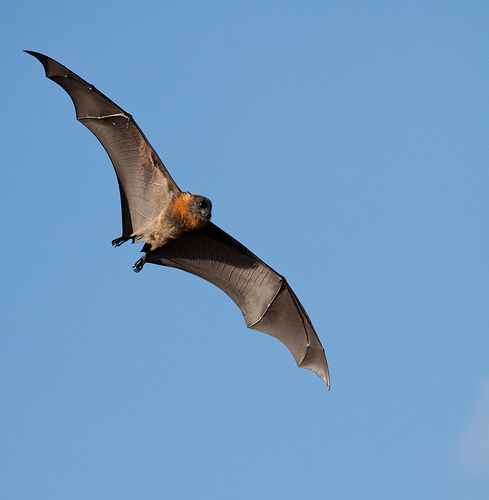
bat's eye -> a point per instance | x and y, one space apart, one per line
202 204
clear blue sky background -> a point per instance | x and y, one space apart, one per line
345 143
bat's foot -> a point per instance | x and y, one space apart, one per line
119 241
139 264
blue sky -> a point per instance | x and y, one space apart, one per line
345 143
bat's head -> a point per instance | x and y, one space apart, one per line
200 206
192 211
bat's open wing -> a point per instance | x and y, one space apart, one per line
266 300
145 185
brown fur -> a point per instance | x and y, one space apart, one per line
184 215
171 223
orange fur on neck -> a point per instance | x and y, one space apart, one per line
181 210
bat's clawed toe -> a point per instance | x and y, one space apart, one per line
119 241
139 264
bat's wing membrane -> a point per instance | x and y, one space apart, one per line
145 185
266 300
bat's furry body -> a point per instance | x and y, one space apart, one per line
176 227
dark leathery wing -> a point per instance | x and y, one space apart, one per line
145 185
265 298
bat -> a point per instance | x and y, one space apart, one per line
176 229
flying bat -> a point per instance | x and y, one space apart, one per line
176 229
